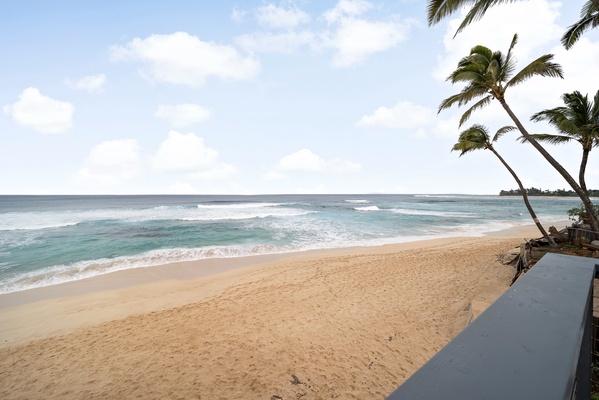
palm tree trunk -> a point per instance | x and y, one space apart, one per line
583 168
588 205
525 198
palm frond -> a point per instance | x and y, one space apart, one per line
579 108
495 70
465 75
553 115
509 63
467 94
438 9
481 51
471 92
570 128
502 131
465 147
542 66
476 12
548 138
559 118
589 18
595 108
589 7
479 104
448 102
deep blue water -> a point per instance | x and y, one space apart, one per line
46 240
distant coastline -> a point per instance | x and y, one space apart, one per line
549 193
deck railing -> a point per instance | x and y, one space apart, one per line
534 342
581 236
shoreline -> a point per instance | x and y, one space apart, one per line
158 287
348 322
185 270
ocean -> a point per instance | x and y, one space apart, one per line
47 240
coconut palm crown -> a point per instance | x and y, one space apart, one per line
489 74
577 121
477 138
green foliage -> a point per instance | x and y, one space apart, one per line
437 10
579 213
539 192
487 75
589 19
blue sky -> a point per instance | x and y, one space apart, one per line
250 97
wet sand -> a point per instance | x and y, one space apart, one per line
346 323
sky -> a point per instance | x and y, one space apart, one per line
267 97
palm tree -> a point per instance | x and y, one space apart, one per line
439 9
488 75
477 137
577 121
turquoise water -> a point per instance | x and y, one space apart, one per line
45 240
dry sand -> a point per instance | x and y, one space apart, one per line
346 324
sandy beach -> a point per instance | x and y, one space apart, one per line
349 323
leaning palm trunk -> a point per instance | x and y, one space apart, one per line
583 167
588 205
525 198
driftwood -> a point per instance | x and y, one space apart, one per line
558 236
523 263
532 250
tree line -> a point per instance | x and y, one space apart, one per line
486 76
539 192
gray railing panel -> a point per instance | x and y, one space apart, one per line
526 345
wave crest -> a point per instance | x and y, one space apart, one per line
368 208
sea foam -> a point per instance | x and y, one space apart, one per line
367 208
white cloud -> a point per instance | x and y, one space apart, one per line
283 18
238 15
274 176
419 120
111 163
41 113
403 115
91 83
340 166
182 188
357 38
306 161
448 127
351 37
219 171
265 42
346 8
316 189
184 153
181 58
183 115
400 189
303 160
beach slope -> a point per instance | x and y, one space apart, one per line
352 323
